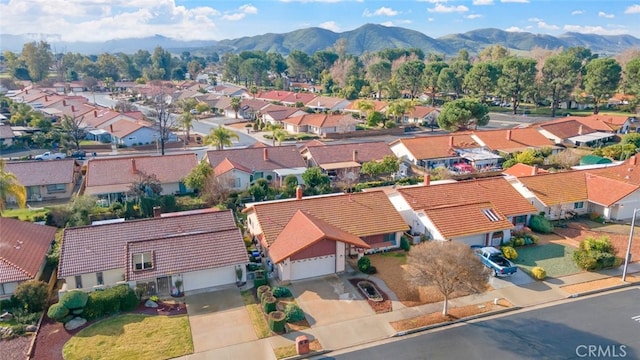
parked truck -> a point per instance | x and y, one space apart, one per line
50 156
495 261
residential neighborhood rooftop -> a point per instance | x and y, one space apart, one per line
23 247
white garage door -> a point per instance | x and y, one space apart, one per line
302 269
472 240
203 279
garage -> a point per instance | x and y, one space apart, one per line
473 239
317 266
203 279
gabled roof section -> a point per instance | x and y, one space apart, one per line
302 97
321 120
23 247
503 197
377 105
421 111
259 159
122 128
90 249
6 132
227 165
512 140
35 172
520 169
360 214
304 230
558 188
273 95
565 129
439 146
467 219
606 191
325 102
602 122
363 152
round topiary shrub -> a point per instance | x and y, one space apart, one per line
293 313
57 312
364 265
262 289
539 223
509 252
269 304
281 292
538 273
74 299
404 243
277 321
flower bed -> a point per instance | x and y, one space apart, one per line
379 306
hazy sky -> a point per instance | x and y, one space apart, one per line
98 20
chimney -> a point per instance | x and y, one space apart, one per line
111 128
73 108
509 135
634 160
157 211
534 170
580 130
355 155
133 166
427 180
64 102
299 192
451 141
26 91
95 113
265 154
46 98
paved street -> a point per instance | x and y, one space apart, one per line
603 327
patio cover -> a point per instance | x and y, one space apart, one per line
98 132
290 171
107 189
340 165
591 137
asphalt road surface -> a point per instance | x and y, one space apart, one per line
602 327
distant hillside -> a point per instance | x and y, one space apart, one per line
367 38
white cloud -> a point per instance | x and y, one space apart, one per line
330 25
544 25
514 29
431 19
587 29
633 9
515 1
434 1
482 2
440 8
240 13
605 15
248 9
577 12
534 19
387 23
473 16
383 11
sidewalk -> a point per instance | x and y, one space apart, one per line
361 331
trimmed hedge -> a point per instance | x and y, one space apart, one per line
404 243
110 301
269 304
293 313
364 265
265 294
260 279
57 312
74 299
538 273
277 321
281 292
539 223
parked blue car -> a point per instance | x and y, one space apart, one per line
494 260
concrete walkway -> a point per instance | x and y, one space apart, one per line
367 328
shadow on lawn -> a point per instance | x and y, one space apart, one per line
111 326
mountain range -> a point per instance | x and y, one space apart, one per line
367 38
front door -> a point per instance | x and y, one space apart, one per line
164 285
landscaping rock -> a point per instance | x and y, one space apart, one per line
151 304
6 317
5 332
31 328
75 323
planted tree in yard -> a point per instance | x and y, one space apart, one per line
462 114
448 266
601 80
596 253
10 187
33 294
197 178
220 137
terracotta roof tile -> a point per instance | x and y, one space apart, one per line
304 230
497 191
23 247
321 120
511 140
360 214
521 169
606 191
557 188
467 219
565 129
35 172
435 147
366 151
278 157
97 248
227 165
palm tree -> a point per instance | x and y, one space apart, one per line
364 106
220 137
235 105
186 121
9 186
279 135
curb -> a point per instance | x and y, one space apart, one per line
447 323
306 356
598 291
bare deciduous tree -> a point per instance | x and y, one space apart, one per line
447 265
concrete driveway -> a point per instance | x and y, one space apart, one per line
329 300
218 319
519 278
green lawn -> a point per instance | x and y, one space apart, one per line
132 336
556 259
25 214
256 315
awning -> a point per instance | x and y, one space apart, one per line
340 165
290 171
98 132
594 136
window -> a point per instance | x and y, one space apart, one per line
78 282
390 237
143 261
99 278
578 205
56 188
521 219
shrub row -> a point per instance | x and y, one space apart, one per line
94 305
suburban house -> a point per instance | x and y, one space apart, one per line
200 249
430 152
353 107
510 141
476 212
312 236
273 95
343 161
320 124
47 180
110 179
6 136
25 246
298 98
612 192
618 124
229 90
130 133
241 167
327 103
276 114
520 169
422 115
574 133
250 108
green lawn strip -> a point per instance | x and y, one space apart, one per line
132 336
260 325
555 259
25 214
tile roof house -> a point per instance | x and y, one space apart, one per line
296 98
434 151
6 135
520 169
320 124
130 133
311 236
344 160
476 212
612 192
513 140
275 114
573 132
203 249
422 115
47 180
241 167
111 178
379 106
24 250
327 103
619 124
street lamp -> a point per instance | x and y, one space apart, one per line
627 255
